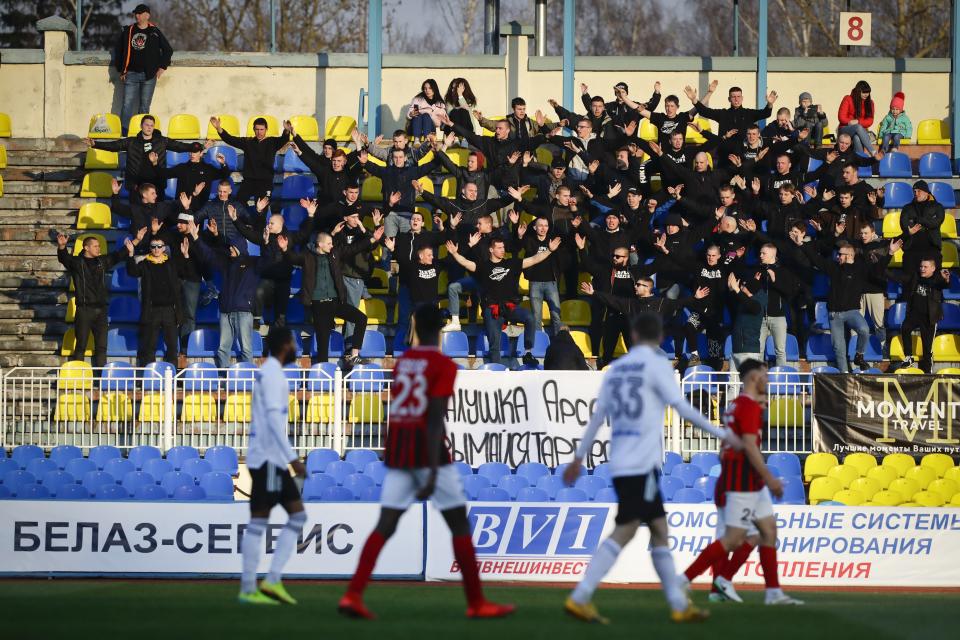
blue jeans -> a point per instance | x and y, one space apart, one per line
493 326
891 141
239 324
860 137
839 321
422 125
454 289
549 291
190 292
355 289
137 96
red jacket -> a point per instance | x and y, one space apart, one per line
846 113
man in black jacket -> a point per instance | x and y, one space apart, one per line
920 225
736 116
140 168
195 172
159 300
258 155
563 354
145 206
88 271
398 177
335 174
923 293
141 55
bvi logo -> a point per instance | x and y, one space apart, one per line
519 530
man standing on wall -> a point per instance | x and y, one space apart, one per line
141 56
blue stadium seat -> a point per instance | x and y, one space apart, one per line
493 494
463 468
111 492
26 452
33 492
122 343
315 484
370 494
792 348
793 492
512 484
374 345
951 318
318 459
72 492
715 471
100 455
493 471
203 343
571 494
821 286
79 467
701 378
895 164
222 458
218 485
154 373
825 369
473 484
173 479
602 470
669 486
40 466
208 313
150 492
170 189
196 467
320 379
180 454
296 187
293 164
336 494
561 468
540 343
63 453
705 460
119 467
177 157
864 171
293 216
934 165
6 466
788 463
92 480
533 471
550 484
53 480
873 352
240 377
123 310
896 315
591 484
200 377
688 495
133 480
357 482
897 195
455 344
813 164
157 467
339 470
532 494
687 472
121 282
943 193
229 154
819 348
492 366
335 345
189 492
376 470
607 494
670 460
706 485
360 458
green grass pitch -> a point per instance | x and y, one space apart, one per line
207 609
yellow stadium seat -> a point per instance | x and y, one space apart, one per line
427 183
946 487
229 123
900 462
372 189
458 155
904 487
340 128
544 156
950 258
375 310
78 243
946 348
785 411
383 282
72 407
75 375
621 347
582 340
939 462
273 125
319 409
293 409
896 261
910 504
70 343
366 408
151 407
448 189
376 161
883 475
97 185
843 474
933 132
6 129
849 497
823 488
949 371
828 137
953 473
887 498
928 499
94 215
74 382
955 500
1 185
443 280
896 347
648 131
199 407
949 227
3 157
114 406
921 475
575 313
237 408
425 159
100 159
818 464
529 195
523 286
909 371
693 135
862 462
71 310
134 127
867 486
110 122
184 126
891 224
306 127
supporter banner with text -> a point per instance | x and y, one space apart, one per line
835 546
523 416
43 537
882 414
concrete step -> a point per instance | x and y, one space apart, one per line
41 188
10 311
27 297
40 202
21 359
26 265
58 218
63 143
44 159
32 344
46 174
52 329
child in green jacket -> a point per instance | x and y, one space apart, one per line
895 125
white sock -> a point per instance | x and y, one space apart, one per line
286 543
663 563
602 561
250 549
773 593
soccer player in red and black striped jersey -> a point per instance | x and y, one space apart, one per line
418 466
743 494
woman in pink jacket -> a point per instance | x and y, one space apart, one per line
427 110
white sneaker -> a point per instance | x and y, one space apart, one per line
725 587
780 598
453 325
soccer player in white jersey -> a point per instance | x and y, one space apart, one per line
268 456
635 392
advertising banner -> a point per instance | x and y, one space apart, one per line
41 537
880 414
837 546
523 416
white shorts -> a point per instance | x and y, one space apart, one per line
400 486
744 508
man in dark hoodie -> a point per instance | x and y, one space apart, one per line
160 300
920 227
195 172
258 155
563 354
141 55
923 293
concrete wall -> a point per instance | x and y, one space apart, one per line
326 85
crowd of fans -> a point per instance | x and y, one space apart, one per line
720 231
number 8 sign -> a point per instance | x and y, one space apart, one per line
854 29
